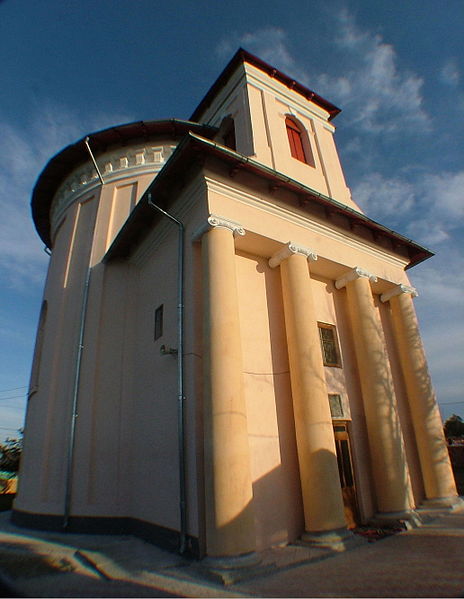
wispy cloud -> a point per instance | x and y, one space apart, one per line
376 95
450 74
431 205
381 97
25 149
270 44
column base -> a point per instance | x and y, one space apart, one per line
442 503
339 539
228 570
409 518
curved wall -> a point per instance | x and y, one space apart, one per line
85 217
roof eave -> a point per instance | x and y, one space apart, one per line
192 142
65 161
242 56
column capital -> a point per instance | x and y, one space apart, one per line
218 221
398 290
288 250
352 275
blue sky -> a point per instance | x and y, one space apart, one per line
396 69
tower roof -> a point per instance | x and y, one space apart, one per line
242 56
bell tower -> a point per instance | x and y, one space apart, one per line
278 122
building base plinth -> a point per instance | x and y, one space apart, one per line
228 570
339 539
442 503
407 518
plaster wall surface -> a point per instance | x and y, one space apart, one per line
271 429
271 218
120 456
50 404
85 219
259 105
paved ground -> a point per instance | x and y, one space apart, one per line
423 562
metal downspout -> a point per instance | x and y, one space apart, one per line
77 377
180 377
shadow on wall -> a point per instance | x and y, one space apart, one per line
270 525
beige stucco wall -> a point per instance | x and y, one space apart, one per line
125 460
271 429
259 105
85 217
47 408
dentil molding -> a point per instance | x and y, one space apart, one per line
114 165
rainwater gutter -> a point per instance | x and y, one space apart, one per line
74 412
77 378
180 377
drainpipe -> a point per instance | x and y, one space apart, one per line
77 377
180 377
74 414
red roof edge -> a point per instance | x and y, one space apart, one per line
242 56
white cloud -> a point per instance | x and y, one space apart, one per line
379 96
25 150
270 44
429 207
381 197
450 74
376 95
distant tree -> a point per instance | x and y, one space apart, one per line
10 453
454 427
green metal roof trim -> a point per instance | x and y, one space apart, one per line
63 163
186 156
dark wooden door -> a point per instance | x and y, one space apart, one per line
345 470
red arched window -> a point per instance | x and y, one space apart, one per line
295 139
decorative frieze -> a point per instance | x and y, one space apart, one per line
397 290
354 274
288 250
118 163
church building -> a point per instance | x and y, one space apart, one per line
228 356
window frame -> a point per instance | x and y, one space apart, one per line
331 327
158 322
331 397
298 141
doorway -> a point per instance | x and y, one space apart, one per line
345 470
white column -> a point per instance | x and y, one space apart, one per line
320 482
387 453
439 484
230 525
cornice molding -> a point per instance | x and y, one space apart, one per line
118 164
398 290
313 225
290 249
352 275
281 92
218 221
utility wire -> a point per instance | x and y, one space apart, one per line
13 397
13 389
